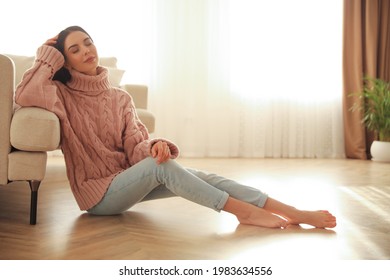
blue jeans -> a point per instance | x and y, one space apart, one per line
147 180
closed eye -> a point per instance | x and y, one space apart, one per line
74 50
88 42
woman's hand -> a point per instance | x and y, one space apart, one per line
161 152
51 41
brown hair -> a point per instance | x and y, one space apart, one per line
63 74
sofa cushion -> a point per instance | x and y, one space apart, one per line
147 119
22 64
35 129
115 76
26 166
139 93
108 61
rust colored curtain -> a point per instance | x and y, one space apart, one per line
366 52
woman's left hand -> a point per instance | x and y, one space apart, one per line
51 41
161 152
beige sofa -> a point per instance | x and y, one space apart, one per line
28 133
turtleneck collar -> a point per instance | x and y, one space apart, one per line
90 85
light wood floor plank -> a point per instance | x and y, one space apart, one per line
357 192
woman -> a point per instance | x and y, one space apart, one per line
111 162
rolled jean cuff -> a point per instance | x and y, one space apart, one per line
222 201
263 200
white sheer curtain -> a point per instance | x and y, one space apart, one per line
249 78
227 78
286 76
190 89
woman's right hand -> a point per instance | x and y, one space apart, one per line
51 41
161 152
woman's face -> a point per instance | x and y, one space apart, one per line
80 53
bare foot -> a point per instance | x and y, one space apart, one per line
319 219
262 218
249 214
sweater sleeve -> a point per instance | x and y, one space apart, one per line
37 88
137 142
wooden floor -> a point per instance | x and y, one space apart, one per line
357 192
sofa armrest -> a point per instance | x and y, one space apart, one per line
6 110
35 129
139 93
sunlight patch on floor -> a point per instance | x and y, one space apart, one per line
292 246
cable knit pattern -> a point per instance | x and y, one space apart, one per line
101 134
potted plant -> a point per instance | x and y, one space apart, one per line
375 108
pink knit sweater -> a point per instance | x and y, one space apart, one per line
101 134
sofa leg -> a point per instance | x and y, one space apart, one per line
34 186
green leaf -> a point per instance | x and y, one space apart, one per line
375 106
